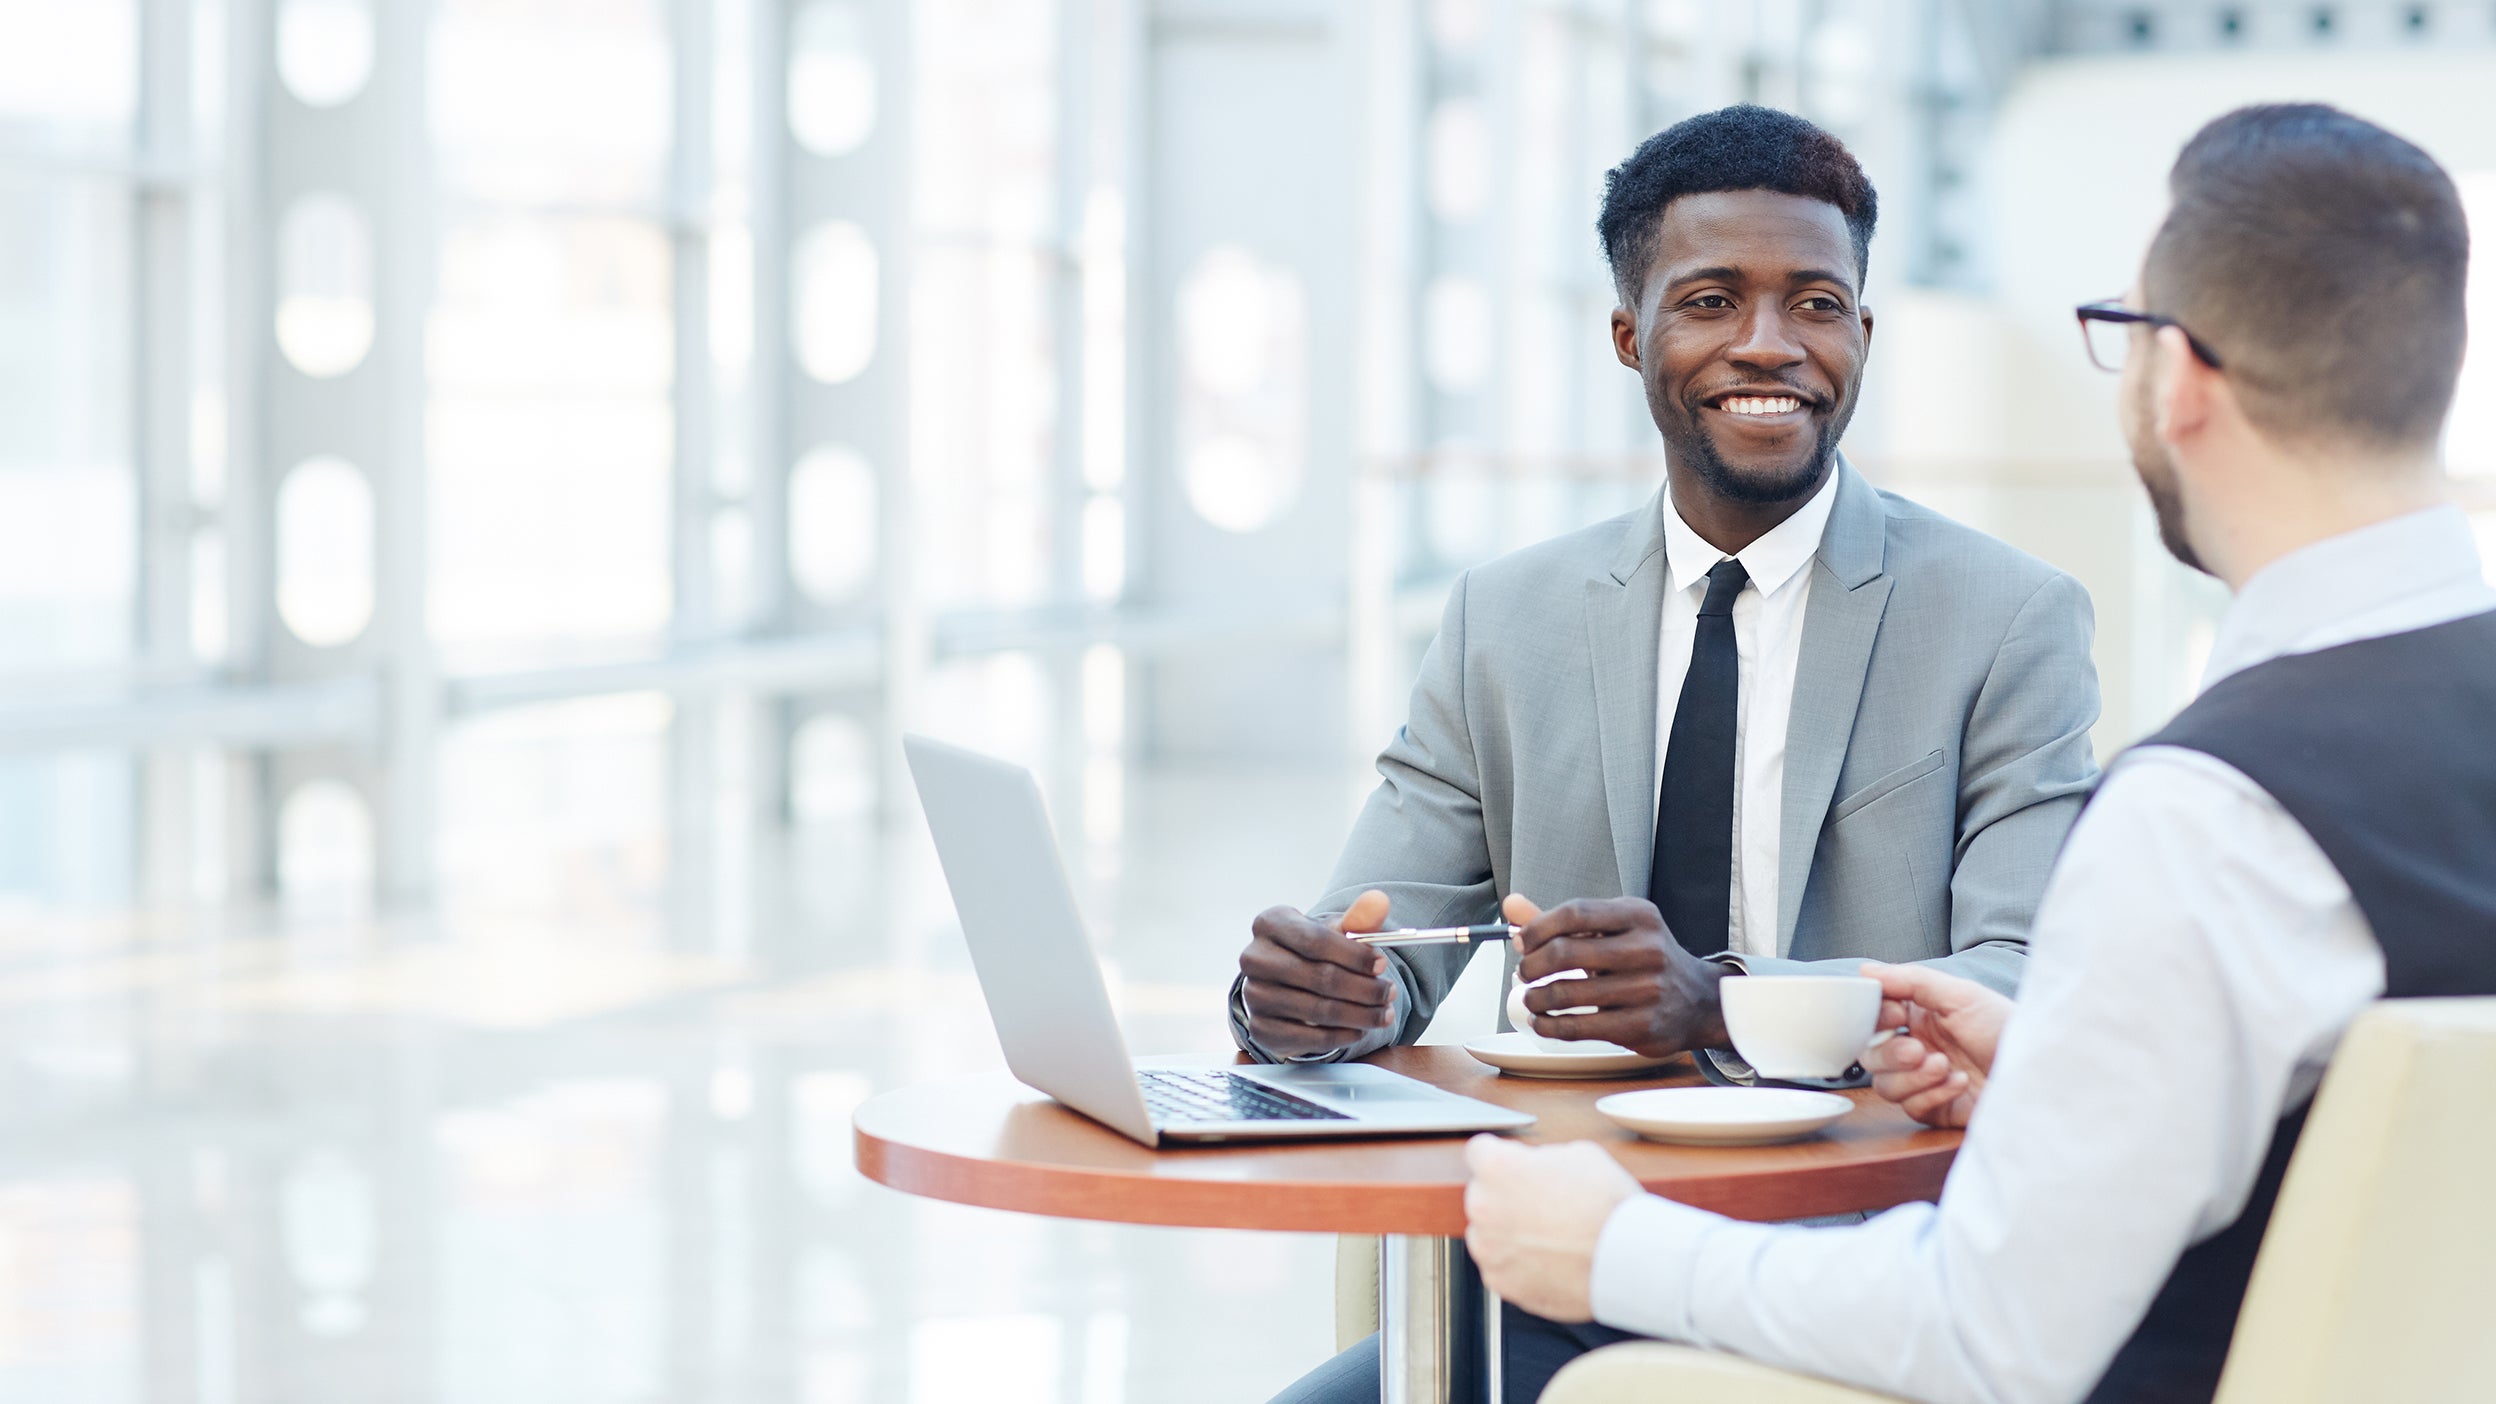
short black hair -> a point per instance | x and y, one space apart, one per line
1732 148
2324 262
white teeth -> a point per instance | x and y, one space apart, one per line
1761 404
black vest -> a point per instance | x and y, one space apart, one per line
2384 751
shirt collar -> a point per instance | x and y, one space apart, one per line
2317 594
1775 558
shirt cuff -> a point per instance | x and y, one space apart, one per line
1643 1262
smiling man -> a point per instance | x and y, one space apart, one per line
1774 720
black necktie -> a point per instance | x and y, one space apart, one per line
1692 880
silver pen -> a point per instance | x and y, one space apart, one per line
1438 935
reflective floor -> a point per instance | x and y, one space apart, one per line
586 1137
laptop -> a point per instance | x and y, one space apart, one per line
1052 1012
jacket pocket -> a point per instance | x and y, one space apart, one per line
1886 786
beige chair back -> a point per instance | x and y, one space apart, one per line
2377 1277
1356 1289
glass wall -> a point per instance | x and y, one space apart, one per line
433 431
69 479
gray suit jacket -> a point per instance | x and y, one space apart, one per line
1937 753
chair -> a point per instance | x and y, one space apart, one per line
1356 1289
2373 1281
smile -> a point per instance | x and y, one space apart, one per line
1759 405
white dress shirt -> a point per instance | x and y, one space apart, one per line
1768 639
2193 964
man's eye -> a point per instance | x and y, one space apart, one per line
1822 304
1713 300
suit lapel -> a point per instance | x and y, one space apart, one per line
1624 611
1849 593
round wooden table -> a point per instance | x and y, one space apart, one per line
989 1140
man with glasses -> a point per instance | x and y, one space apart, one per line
2317 830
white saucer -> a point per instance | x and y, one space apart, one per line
1724 1116
1527 1055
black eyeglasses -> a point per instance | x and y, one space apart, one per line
2106 329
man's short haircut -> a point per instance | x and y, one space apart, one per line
1731 148
2323 260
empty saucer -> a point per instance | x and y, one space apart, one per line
1531 1055
1724 1116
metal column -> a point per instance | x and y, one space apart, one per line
1438 1341
798 192
370 150
167 192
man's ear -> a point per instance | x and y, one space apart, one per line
2181 393
1625 336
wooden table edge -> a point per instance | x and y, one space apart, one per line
1913 1172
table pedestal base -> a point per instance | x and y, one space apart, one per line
1438 1328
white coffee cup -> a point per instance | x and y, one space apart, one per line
1522 1018
1800 1025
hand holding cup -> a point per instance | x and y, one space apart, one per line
1936 1070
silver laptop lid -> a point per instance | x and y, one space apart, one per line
1035 965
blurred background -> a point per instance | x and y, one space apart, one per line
483 483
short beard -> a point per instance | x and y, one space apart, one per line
2157 473
2168 503
1698 450
1726 483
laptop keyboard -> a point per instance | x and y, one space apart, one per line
1178 1098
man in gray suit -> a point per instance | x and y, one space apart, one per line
1935 709
1773 718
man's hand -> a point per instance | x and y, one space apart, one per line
1648 993
1532 1216
1311 989
1936 1070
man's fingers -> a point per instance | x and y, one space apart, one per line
1589 915
1299 1040
1596 955
1902 1091
1518 910
1280 965
1368 912
1315 940
1940 993
1299 1006
1929 1101
1900 984
1269 1001
1902 1054
1288 1040
1908 1083
1600 992
1489 1152
1277 965
1933 1106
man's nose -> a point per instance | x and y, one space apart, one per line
1767 341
